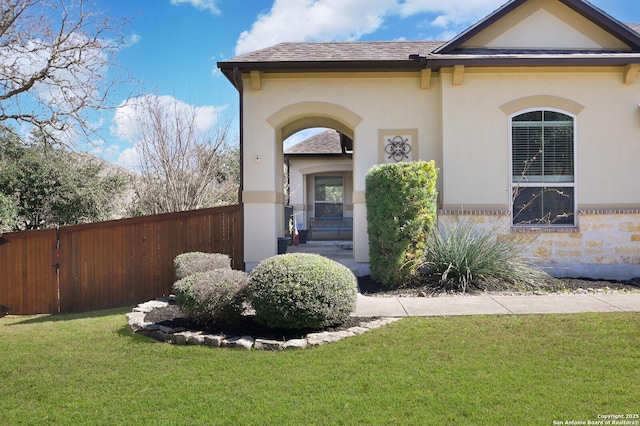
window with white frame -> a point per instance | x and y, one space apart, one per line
543 169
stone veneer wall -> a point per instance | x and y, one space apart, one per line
606 244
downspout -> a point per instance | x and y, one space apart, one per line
237 81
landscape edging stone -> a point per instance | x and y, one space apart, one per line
181 336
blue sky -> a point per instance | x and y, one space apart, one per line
174 45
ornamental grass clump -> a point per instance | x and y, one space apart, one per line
461 256
212 297
302 291
186 264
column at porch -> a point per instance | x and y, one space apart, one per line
360 235
262 195
260 230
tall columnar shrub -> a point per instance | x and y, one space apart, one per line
302 290
401 208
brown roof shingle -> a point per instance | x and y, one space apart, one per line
327 142
334 52
416 55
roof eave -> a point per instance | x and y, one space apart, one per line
315 66
229 68
533 60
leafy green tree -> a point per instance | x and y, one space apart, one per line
8 213
42 186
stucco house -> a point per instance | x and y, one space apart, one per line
532 116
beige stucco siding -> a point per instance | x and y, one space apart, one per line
393 102
463 127
476 135
357 105
476 159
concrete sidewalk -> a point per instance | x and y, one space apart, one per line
341 251
494 305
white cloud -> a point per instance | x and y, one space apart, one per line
133 39
349 20
313 20
209 5
132 116
111 151
129 159
456 12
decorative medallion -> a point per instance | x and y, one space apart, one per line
398 148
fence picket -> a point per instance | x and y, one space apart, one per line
109 264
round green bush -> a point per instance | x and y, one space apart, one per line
302 291
186 264
212 297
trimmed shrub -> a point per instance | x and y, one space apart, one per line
460 256
212 297
186 264
302 291
401 208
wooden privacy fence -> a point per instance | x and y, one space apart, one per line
109 264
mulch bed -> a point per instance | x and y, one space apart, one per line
171 316
370 287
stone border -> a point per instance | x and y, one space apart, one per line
180 336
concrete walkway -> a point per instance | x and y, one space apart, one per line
496 305
341 251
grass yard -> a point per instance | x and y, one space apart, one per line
516 370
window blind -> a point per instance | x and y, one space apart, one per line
542 147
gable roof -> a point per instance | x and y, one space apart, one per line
582 7
634 27
417 55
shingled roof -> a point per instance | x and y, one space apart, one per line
336 52
634 27
383 56
327 142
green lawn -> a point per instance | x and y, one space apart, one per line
511 370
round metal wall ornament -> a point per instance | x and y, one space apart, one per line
398 148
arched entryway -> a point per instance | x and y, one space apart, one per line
319 193
311 173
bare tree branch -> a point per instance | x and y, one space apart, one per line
182 166
55 58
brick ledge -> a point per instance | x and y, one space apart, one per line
488 212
